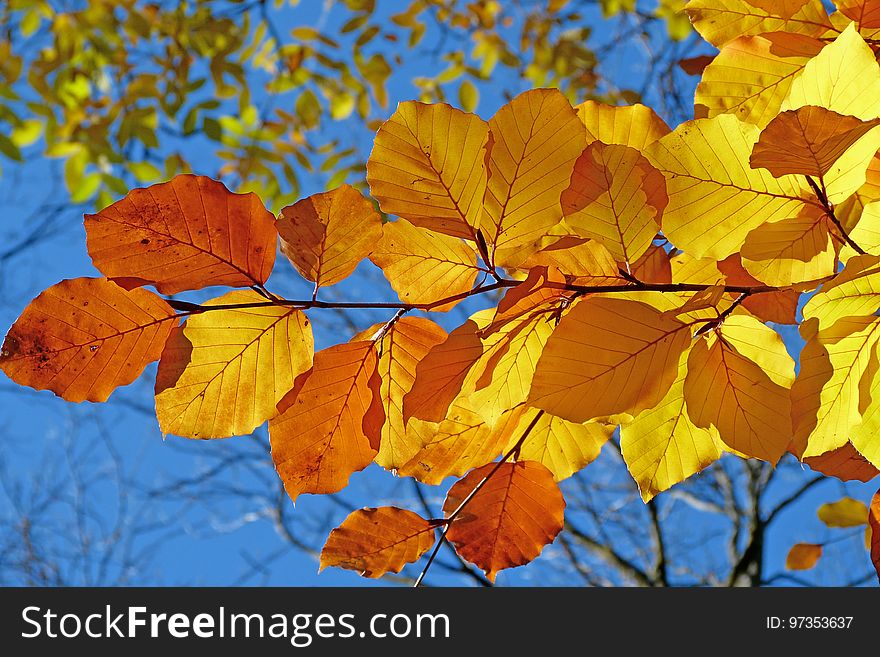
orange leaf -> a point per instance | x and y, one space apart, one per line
378 541
608 356
803 556
222 373
845 463
441 373
874 524
654 266
808 141
616 197
330 423
401 348
535 140
424 267
85 337
185 234
779 307
866 13
510 519
326 235
428 166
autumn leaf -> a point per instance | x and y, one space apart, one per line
825 395
84 337
738 382
874 525
790 251
329 424
616 197
463 440
662 446
535 140
186 234
855 292
635 126
222 373
607 356
715 197
719 21
326 235
779 307
401 347
808 141
561 446
843 78
424 267
440 375
428 166
752 76
846 512
378 541
803 556
865 13
584 262
509 520
845 463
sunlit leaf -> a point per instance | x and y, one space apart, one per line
803 556
846 512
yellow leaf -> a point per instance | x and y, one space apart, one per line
662 446
401 348
84 337
726 389
719 21
825 396
695 304
751 76
608 356
867 231
715 198
792 250
845 512
699 271
586 262
223 372
808 141
635 126
844 78
460 442
535 140
616 197
509 520
428 166
803 556
563 447
424 267
762 345
854 292
378 541
326 235
329 424
865 437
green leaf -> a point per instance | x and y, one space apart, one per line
87 188
9 149
145 171
468 96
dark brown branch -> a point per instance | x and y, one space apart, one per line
829 211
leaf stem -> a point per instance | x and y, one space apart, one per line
452 516
822 195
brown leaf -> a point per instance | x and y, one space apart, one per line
845 463
330 423
695 65
808 141
778 307
85 337
185 234
874 524
803 556
326 235
510 519
378 541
